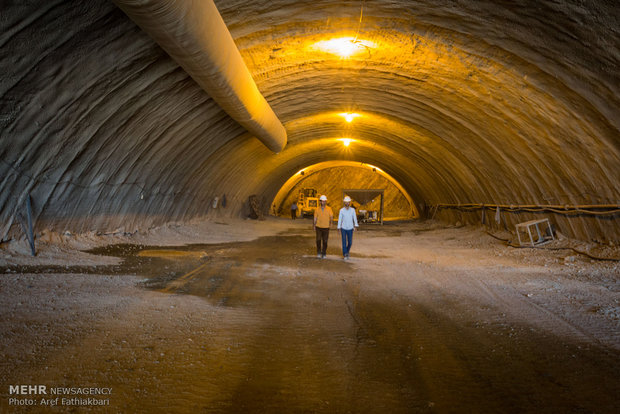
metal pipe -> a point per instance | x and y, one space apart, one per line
558 206
609 209
194 34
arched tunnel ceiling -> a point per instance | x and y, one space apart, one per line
294 183
461 102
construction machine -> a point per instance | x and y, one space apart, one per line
307 201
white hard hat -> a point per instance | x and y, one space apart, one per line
323 198
347 199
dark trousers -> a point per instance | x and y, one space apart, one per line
322 234
293 214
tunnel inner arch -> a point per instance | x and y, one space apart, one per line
332 186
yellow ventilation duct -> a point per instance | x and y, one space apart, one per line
194 34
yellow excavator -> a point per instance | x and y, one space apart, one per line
307 201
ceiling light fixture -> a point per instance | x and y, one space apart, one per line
345 47
346 141
349 116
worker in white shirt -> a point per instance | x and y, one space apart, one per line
347 223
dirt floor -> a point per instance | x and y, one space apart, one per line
241 317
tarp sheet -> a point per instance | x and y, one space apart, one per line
363 196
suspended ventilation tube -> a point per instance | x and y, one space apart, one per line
194 34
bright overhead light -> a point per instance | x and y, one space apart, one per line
346 141
344 47
349 116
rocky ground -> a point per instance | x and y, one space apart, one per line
240 316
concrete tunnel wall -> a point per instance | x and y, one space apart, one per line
461 102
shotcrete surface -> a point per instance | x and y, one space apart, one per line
512 102
240 316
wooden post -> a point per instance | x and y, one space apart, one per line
26 223
381 212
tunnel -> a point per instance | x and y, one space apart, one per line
333 179
154 123
512 105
